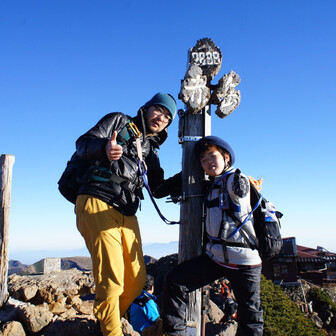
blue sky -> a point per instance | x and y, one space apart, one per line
65 64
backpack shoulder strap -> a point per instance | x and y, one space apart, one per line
254 196
141 301
240 225
127 132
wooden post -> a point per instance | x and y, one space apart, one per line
191 212
197 92
6 164
194 124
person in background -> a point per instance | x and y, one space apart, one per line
144 311
228 306
121 149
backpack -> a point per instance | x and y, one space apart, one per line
79 170
75 174
138 301
266 225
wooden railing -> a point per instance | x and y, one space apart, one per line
329 282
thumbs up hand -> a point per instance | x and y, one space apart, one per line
113 150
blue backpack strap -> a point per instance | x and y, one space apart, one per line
217 182
232 208
247 218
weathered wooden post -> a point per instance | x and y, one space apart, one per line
204 60
6 164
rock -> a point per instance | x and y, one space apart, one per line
12 328
34 318
159 271
214 313
154 330
57 308
127 329
10 309
21 290
70 292
28 292
45 294
74 300
78 326
69 313
220 329
49 288
318 322
84 308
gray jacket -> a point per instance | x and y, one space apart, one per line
234 190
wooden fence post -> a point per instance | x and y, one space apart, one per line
6 164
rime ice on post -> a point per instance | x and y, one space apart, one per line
225 94
194 91
205 60
208 56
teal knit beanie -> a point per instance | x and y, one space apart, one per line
163 99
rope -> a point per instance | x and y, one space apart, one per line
246 219
143 173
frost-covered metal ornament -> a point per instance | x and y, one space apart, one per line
205 60
225 94
207 55
194 90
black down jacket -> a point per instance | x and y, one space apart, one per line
124 196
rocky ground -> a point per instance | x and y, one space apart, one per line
52 304
62 303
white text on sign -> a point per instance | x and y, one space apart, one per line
202 58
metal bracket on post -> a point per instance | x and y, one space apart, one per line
181 112
181 198
189 138
181 128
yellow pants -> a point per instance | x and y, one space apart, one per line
114 243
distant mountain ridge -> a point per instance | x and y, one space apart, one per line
81 263
84 263
155 250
